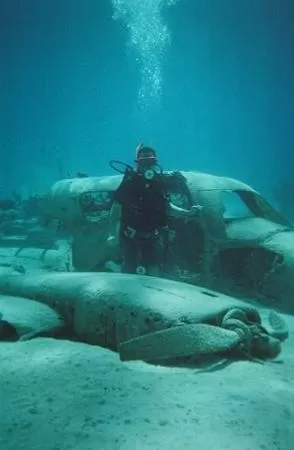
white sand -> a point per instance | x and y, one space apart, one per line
64 395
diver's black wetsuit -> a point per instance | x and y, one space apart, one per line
144 217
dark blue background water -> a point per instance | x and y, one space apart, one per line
69 85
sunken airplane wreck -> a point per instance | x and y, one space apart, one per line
239 244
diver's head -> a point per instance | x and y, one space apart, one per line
145 158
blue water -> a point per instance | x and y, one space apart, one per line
208 83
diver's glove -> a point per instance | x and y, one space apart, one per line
195 210
177 211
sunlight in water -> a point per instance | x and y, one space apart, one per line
150 37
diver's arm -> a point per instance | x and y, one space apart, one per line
114 218
177 211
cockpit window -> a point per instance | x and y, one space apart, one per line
234 206
261 208
242 204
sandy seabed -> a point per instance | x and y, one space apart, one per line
61 395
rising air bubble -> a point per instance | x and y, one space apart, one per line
150 37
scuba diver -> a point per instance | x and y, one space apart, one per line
141 208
